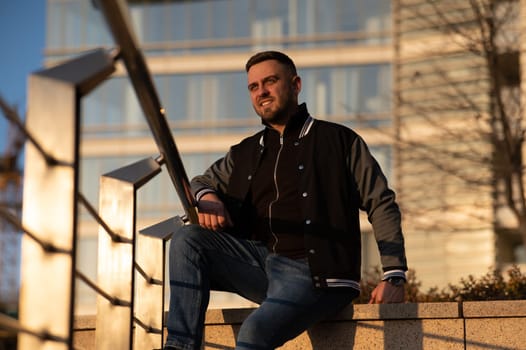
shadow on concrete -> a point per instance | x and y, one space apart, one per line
335 332
386 327
406 334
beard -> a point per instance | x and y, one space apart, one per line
273 116
278 112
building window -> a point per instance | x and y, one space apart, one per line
349 94
219 102
219 25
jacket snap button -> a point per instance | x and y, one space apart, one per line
301 167
304 194
249 177
312 251
307 222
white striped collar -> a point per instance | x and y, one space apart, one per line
304 130
306 126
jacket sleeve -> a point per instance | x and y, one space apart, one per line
378 200
215 178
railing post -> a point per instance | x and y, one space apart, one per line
116 261
50 199
151 256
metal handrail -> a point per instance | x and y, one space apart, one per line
116 15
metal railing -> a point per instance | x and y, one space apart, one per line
52 197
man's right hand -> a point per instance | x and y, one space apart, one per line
212 213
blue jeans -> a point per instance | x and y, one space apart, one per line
202 260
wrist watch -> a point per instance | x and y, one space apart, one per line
396 281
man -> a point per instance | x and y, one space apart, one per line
279 221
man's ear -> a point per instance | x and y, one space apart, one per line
296 82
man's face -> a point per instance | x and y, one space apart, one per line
273 91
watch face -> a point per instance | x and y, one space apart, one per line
396 281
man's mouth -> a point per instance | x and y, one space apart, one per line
265 103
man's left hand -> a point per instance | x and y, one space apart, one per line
387 293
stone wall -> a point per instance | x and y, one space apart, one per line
431 326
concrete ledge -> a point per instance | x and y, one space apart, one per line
430 326
358 312
498 308
403 311
392 326
495 325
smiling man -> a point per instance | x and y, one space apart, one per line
274 90
279 221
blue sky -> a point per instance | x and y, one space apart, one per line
22 42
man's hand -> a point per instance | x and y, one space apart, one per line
386 293
212 213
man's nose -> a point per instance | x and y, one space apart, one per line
263 91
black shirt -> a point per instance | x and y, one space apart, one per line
274 192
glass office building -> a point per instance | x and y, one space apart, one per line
358 59
196 51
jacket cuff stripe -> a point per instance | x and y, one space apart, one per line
202 192
394 273
337 282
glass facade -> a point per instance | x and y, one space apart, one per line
211 106
195 101
177 26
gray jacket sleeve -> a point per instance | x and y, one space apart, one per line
378 200
215 178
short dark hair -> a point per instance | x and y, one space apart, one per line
272 55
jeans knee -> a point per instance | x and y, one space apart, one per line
186 233
256 333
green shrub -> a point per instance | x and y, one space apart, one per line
495 285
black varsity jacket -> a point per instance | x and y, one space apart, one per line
338 177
